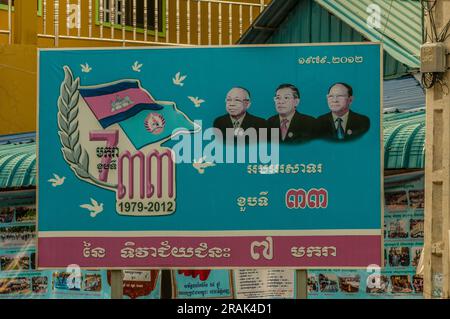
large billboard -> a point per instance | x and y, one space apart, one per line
213 157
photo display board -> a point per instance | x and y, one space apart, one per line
403 244
19 276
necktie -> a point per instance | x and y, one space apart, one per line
340 130
284 128
236 125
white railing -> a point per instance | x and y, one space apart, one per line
8 30
174 22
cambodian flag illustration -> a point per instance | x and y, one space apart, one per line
141 117
113 103
148 127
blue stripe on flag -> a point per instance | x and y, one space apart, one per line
107 121
110 89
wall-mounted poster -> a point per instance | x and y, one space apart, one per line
210 157
403 243
79 284
140 284
201 284
19 276
264 283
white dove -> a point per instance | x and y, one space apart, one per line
95 208
200 165
136 66
85 68
178 79
196 100
57 181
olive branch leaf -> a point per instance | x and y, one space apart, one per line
69 134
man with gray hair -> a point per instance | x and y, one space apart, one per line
237 103
341 124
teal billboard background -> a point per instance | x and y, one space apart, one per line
351 170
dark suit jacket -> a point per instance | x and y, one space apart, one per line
357 125
301 128
224 122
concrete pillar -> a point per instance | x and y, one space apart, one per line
437 175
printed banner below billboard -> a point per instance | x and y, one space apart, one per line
264 283
19 278
201 283
403 244
140 284
210 157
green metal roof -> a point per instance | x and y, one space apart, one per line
401 24
404 140
17 165
305 21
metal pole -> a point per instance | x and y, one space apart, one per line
116 284
302 283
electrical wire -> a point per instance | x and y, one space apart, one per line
433 26
445 34
443 84
428 80
387 20
429 11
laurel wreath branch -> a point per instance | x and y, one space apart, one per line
74 154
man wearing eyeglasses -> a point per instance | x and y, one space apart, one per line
294 127
341 123
237 103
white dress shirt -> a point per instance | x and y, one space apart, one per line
239 121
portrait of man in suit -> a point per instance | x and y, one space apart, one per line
237 103
341 123
294 127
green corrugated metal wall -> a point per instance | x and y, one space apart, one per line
400 27
309 23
